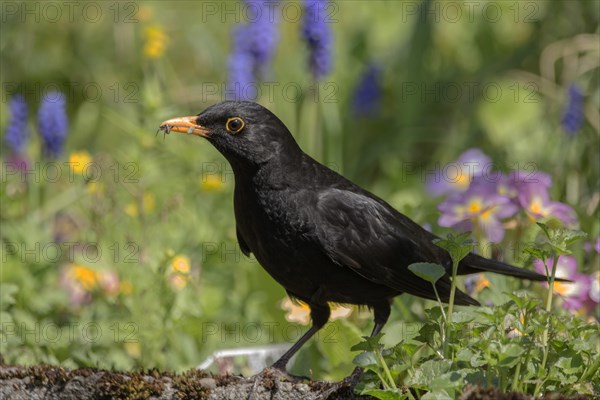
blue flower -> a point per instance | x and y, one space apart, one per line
317 35
367 95
53 123
572 119
16 130
253 48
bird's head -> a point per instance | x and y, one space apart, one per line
246 133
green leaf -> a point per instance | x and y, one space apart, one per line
372 343
390 394
510 355
430 370
458 246
428 271
7 295
366 360
437 395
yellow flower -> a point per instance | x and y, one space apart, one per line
211 183
131 209
86 277
79 160
180 264
133 349
156 42
148 202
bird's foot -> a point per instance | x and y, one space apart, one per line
271 379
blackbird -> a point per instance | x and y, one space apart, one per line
322 237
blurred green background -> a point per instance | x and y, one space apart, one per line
134 262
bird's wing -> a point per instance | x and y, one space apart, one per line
377 242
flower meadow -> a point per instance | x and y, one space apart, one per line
118 244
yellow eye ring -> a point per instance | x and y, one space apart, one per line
235 124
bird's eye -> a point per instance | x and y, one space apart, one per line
234 125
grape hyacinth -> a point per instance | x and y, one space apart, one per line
253 48
572 119
317 34
16 129
53 123
367 96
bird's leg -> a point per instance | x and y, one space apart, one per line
284 359
319 313
382 313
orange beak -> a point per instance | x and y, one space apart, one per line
187 125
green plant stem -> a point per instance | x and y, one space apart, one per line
388 374
515 381
547 329
591 370
448 317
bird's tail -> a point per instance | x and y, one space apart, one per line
473 264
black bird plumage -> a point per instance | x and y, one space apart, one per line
323 238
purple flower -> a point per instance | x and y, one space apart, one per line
241 67
589 246
575 293
317 34
262 34
535 201
16 130
572 119
253 48
479 208
367 96
456 177
53 123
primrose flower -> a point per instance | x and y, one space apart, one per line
575 293
53 123
534 199
456 177
572 119
16 130
480 207
317 34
